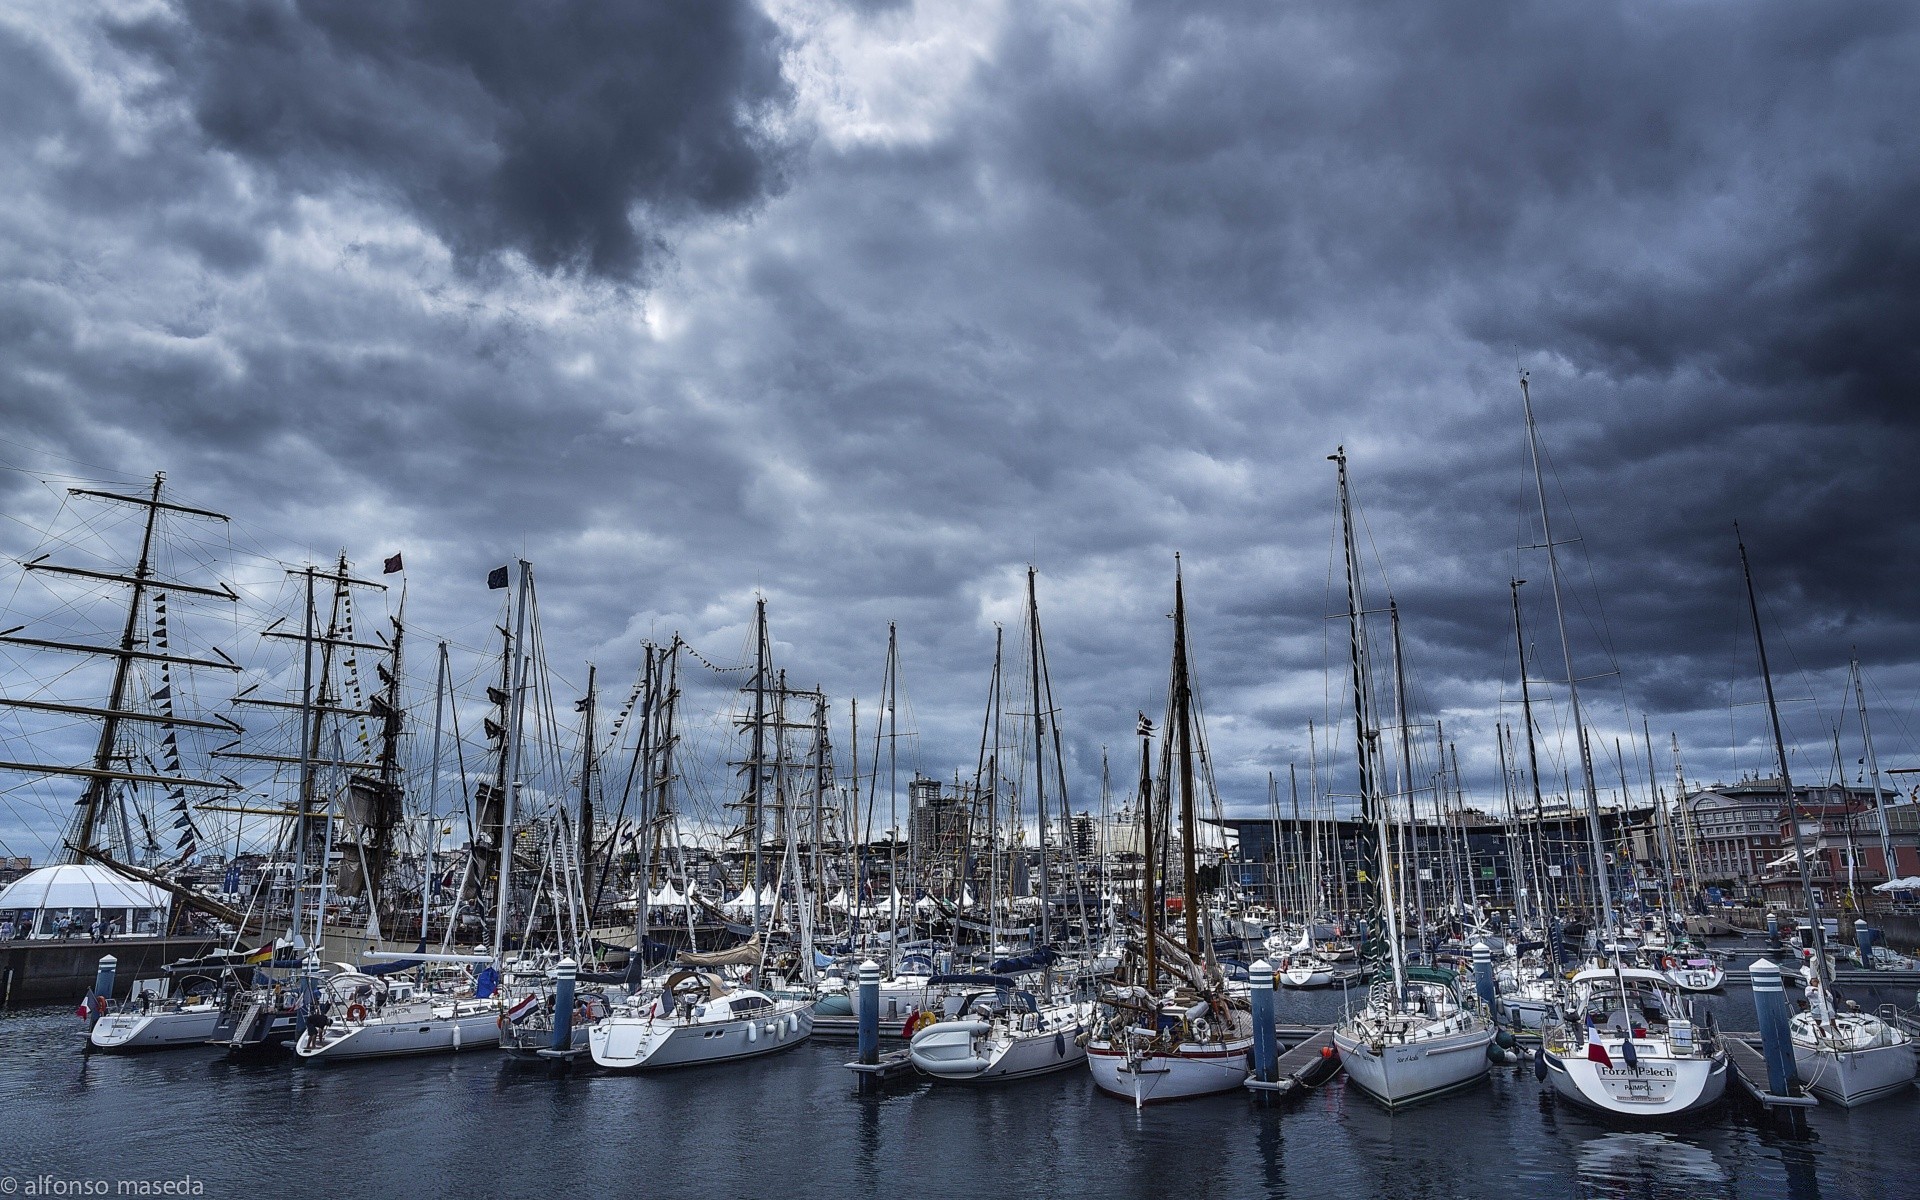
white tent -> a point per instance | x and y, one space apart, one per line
80 892
839 903
1909 884
669 897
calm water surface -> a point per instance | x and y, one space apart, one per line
792 1125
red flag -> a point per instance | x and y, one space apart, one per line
393 564
81 1011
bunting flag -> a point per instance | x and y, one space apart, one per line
497 578
393 564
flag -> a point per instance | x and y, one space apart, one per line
263 955
524 1009
1595 1051
497 578
393 564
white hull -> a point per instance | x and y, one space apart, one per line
975 1052
1657 1088
1406 1073
1853 1077
156 1029
1698 979
1154 1078
1306 977
643 1043
469 1025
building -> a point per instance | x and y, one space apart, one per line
1743 839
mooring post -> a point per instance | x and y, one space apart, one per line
1483 972
102 989
1773 931
868 1005
1776 1035
1266 1041
565 975
1863 938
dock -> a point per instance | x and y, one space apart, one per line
894 1064
1749 1069
1309 1061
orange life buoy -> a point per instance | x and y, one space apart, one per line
916 1021
356 1012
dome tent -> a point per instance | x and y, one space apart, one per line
79 893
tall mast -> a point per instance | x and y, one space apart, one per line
756 825
1550 903
1183 730
1149 906
892 716
307 726
1573 685
1366 742
589 765
1873 768
1039 758
1786 781
510 778
433 791
1406 766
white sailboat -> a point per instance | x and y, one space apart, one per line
698 1017
1849 1057
1001 1032
1628 1048
1415 1039
1196 1038
149 1024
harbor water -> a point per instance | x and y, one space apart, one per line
792 1125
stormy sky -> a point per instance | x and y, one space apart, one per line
866 306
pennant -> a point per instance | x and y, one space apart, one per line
393 564
497 578
165 693
496 697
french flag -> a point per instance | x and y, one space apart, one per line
1596 1052
523 1009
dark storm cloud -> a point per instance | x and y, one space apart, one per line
574 134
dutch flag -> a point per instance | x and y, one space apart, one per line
524 1009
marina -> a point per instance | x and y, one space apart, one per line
877 598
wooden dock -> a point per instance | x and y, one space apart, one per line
1749 1069
894 1064
1308 1061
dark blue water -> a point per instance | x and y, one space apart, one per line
471 1125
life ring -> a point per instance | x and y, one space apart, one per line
1200 1028
915 1020
356 1011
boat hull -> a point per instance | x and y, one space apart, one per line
975 1052
1854 1077
157 1029
1659 1088
467 1028
1187 1071
1397 1075
626 1043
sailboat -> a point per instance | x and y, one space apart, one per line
369 1015
998 1030
1194 1038
1849 1057
1625 1042
1417 1038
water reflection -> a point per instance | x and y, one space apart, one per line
1648 1164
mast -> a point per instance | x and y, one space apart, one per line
1786 781
510 762
1183 730
756 825
433 790
1039 757
1573 685
1550 903
588 766
1149 907
1366 740
1406 766
1873 768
